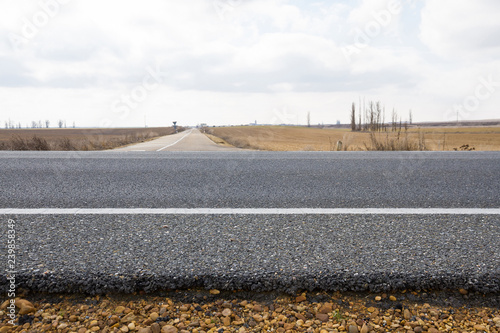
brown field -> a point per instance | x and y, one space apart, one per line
77 138
290 138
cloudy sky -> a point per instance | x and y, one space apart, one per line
127 63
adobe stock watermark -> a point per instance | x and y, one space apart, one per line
223 7
381 19
128 102
282 117
486 87
31 26
11 270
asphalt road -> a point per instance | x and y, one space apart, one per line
250 179
190 140
125 253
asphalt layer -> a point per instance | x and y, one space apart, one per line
250 180
190 140
124 254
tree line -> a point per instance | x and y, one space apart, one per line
371 118
9 124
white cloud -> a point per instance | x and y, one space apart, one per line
245 58
461 29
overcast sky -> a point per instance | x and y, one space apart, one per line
123 63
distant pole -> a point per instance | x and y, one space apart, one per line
175 126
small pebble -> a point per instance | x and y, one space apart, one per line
336 312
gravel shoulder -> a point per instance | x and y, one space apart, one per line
212 311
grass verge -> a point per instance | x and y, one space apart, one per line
294 138
77 139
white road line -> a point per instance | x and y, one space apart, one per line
176 142
250 211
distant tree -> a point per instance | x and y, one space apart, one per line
371 117
353 117
60 123
34 124
394 120
378 117
384 128
309 119
359 119
47 123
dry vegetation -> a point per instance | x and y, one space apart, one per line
77 139
290 138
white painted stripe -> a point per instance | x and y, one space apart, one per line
251 211
176 142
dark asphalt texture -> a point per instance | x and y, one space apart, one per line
124 253
250 180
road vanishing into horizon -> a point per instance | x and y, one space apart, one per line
124 221
189 140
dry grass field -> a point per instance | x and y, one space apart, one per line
77 138
290 138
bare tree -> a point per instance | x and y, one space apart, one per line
60 123
378 117
411 117
394 120
359 119
353 117
384 128
371 116
47 123
309 119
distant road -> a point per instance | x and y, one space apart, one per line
190 140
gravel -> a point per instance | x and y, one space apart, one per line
125 253
201 312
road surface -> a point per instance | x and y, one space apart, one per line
190 140
250 179
111 248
